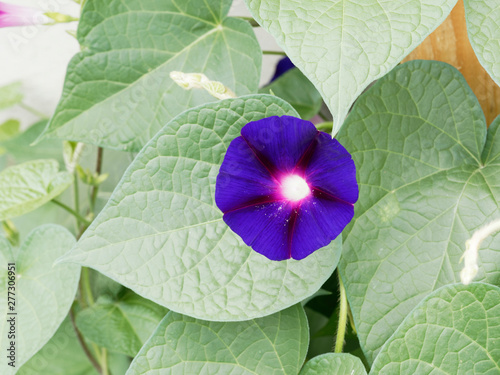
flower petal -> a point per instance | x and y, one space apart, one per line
263 227
331 170
318 222
282 230
16 15
283 66
280 142
243 180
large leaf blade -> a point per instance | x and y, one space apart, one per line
424 189
162 235
334 364
122 325
342 46
62 355
43 293
484 34
29 185
454 330
118 92
275 344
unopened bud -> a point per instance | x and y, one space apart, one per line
60 18
190 81
71 154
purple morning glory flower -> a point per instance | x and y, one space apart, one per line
285 188
283 66
16 15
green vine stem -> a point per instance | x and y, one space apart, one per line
76 192
339 342
84 346
100 361
95 188
104 362
282 53
33 111
252 21
85 280
79 217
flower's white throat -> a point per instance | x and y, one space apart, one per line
294 188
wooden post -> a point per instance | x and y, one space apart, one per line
450 43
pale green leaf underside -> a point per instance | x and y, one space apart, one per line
427 181
344 45
122 325
27 186
162 235
275 344
455 330
118 92
334 364
483 27
44 292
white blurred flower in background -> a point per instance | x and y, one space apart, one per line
14 15
37 55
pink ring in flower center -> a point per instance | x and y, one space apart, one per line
294 188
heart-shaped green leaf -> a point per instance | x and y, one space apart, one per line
483 27
344 45
118 92
334 364
162 235
62 355
28 186
43 292
121 325
455 330
427 181
276 344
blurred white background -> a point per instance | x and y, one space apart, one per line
38 55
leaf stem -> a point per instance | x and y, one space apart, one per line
104 361
76 193
283 53
351 320
79 217
339 342
85 280
84 346
251 20
95 188
33 111
325 126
